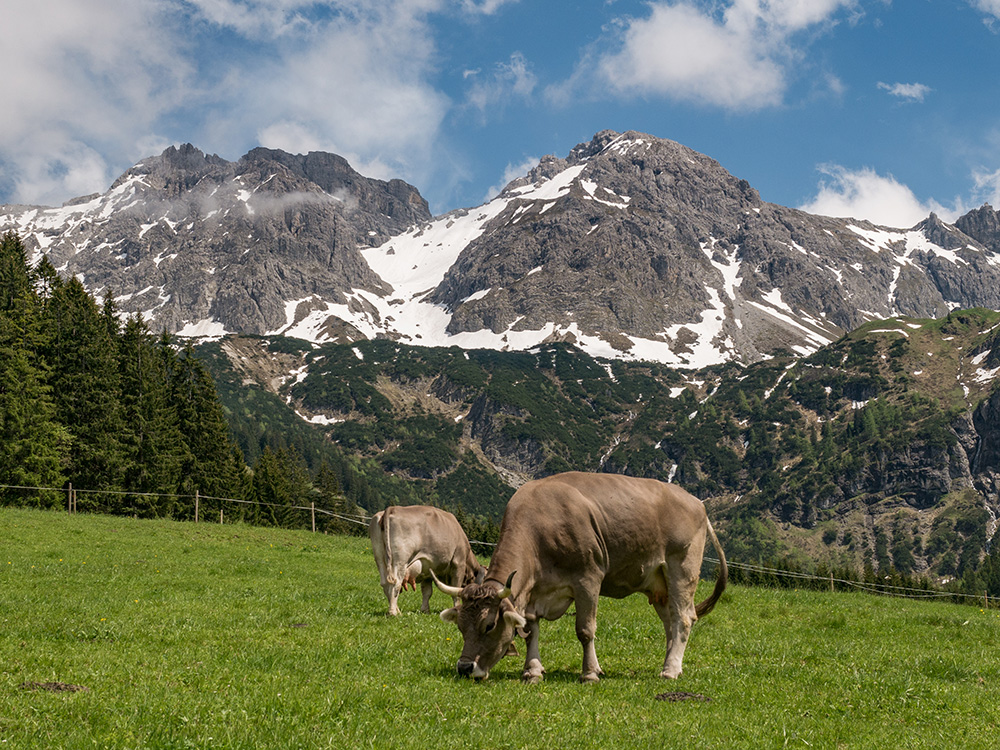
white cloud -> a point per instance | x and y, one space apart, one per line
83 83
914 92
509 79
738 59
486 7
95 85
987 188
361 86
864 194
512 172
990 7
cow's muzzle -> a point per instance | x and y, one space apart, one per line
466 668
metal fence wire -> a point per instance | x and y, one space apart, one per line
364 519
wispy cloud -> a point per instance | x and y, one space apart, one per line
737 58
865 194
987 187
913 92
990 7
508 80
486 7
93 84
512 172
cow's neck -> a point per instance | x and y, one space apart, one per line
502 564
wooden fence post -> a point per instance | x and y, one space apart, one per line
313 504
69 499
196 503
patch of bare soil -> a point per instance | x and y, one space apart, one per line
676 697
53 687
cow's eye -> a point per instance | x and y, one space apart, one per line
490 627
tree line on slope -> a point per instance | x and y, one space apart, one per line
130 420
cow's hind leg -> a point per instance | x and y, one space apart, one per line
586 633
392 590
677 614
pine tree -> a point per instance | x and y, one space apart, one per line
330 497
280 481
208 465
86 389
152 441
33 445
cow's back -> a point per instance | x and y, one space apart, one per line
413 531
622 526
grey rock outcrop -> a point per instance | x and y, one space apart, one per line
631 245
186 237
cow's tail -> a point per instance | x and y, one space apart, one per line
390 567
378 543
721 579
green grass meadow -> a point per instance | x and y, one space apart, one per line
209 636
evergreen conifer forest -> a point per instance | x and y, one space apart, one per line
128 418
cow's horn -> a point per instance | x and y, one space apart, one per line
452 591
506 589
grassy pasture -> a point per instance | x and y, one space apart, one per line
209 636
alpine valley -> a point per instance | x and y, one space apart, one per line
824 384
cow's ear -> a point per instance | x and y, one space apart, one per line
513 618
450 615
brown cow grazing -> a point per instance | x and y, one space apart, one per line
410 542
571 538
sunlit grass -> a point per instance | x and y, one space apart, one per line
214 636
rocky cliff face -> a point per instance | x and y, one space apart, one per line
651 240
631 246
199 245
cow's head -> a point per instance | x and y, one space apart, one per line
488 622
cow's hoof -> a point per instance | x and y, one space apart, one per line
668 675
590 678
529 678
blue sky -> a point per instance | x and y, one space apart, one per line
880 109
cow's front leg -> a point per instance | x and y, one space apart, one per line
533 670
586 632
426 588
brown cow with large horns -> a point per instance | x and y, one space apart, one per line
571 538
413 542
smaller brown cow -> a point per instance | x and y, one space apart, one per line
412 541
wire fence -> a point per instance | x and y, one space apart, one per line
759 571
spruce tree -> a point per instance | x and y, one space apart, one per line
33 445
280 481
152 442
208 464
86 389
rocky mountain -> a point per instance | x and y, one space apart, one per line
630 247
200 245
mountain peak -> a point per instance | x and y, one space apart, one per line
630 246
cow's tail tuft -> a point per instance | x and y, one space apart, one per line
721 579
